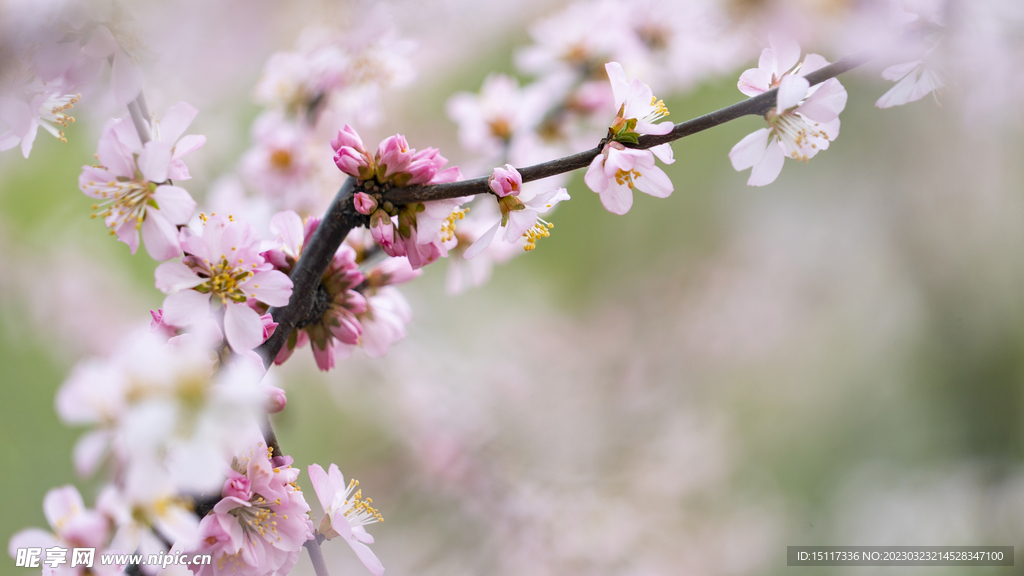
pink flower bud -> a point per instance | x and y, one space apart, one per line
347 136
269 326
354 163
393 156
383 231
276 399
238 486
505 181
424 165
365 204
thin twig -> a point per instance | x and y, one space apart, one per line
316 556
141 126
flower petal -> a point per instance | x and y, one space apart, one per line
174 276
175 121
482 242
792 90
617 198
186 308
270 287
754 81
620 86
175 204
160 236
366 556
655 182
154 161
519 222
663 152
127 233
595 178
288 225
750 150
768 168
242 327
826 103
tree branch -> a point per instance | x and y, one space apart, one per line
758 105
340 218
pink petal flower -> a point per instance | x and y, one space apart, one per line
187 308
174 276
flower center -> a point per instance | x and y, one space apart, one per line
626 177
124 200
795 132
258 518
540 230
358 511
51 111
281 159
224 279
448 226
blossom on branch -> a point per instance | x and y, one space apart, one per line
222 270
804 121
261 522
519 218
345 513
133 182
617 170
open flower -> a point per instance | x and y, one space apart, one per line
617 170
637 107
260 524
345 513
222 270
519 219
804 122
133 182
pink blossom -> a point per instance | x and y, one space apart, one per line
387 313
364 203
505 181
276 399
132 181
489 120
286 162
394 163
259 526
519 219
804 122
393 157
637 109
617 170
222 269
346 513
45 109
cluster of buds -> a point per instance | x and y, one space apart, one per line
418 230
394 164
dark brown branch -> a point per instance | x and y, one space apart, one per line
758 105
340 218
